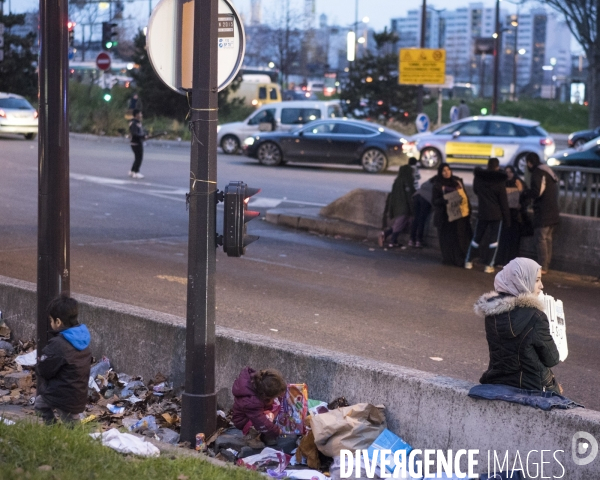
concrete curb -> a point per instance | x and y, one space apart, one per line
427 410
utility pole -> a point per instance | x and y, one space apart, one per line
53 277
199 402
422 45
497 34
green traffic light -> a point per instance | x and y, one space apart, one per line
107 97
109 45
484 111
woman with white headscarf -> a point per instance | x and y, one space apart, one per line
517 330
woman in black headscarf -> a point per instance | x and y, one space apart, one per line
454 236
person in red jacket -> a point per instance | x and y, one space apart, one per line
254 393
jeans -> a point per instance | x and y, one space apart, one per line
138 151
542 237
495 227
422 209
46 411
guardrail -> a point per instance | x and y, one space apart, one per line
580 190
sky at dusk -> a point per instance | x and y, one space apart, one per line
341 12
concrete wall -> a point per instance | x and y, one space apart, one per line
427 410
576 246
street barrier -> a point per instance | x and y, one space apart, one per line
580 190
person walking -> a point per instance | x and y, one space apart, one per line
510 237
490 187
546 213
463 110
522 350
421 209
454 236
398 207
138 135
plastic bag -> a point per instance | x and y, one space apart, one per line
126 443
294 408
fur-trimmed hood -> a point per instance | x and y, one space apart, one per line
493 303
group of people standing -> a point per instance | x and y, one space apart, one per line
502 217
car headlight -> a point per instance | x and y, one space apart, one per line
218 128
553 162
249 141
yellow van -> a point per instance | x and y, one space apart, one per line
257 90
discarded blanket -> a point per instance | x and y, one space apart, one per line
126 443
532 398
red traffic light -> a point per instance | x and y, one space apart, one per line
235 217
71 25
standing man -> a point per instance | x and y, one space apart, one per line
463 110
490 187
138 135
546 214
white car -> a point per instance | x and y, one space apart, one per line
17 116
473 140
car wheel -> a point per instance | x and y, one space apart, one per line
269 154
430 158
579 143
520 163
373 161
30 136
230 144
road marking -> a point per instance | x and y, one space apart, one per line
265 202
170 278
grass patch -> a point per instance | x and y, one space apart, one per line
555 117
74 455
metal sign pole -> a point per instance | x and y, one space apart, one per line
53 161
198 403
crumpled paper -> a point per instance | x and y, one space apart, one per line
126 443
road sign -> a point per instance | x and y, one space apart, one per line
103 61
420 66
170 43
448 83
422 122
483 46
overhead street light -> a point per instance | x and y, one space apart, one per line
351 46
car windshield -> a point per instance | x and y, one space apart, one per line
16 103
591 144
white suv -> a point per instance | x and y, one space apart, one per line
281 116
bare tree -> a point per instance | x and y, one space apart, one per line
85 14
582 19
288 40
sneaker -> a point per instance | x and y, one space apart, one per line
468 265
418 244
138 175
131 173
489 269
380 239
411 243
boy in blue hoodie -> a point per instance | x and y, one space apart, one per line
64 366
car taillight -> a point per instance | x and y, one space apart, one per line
2 113
35 114
546 141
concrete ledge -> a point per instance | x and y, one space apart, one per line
427 410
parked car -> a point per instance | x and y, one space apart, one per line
472 140
587 155
282 116
578 139
331 141
17 116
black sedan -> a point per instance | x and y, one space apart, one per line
587 156
577 139
331 141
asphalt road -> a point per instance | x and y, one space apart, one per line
129 244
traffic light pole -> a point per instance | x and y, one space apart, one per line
198 403
422 45
497 30
53 161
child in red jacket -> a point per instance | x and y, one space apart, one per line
254 393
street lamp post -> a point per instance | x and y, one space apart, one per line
515 23
422 45
496 59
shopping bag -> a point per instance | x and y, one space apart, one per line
514 197
351 428
294 408
458 205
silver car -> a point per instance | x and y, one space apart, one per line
17 116
473 140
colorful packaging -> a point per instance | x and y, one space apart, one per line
294 408
200 442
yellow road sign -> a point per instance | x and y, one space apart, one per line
419 66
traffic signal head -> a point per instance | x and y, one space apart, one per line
109 35
107 96
71 29
235 217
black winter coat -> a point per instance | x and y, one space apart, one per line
64 372
440 188
520 345
490 188
544 192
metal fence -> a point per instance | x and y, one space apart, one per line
579 190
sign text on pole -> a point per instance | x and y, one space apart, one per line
420 66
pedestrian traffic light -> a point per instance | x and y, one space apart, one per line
71 29
235 217
107 96
109 35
